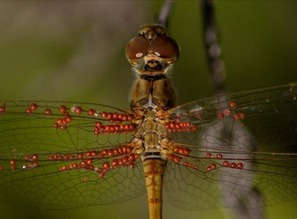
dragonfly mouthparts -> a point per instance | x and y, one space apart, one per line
153 65
153 77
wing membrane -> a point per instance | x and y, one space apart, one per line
46 186
263 141
270 115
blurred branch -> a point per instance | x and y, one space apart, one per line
215 63
227 128
164 12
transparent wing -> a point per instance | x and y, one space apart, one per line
51 156
61 178
245 146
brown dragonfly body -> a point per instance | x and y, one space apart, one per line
152 95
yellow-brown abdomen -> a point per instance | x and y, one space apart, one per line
153 172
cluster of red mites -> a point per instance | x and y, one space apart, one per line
227 112
218 156
61 122
33 158
84 164
225 163
174 158
189 165
31 108
128 160
114 117
106 166
177 159
211 167
238 116
94 154
109 152
180 127
120 162
30 165
182 151
99 128
12 164
123 128
233 165
61 157
88 158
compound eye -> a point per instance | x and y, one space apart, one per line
137 48
165 47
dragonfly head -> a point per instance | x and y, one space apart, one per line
153 48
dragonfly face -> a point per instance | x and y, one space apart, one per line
152 44
21 130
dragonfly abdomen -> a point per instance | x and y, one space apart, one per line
153 172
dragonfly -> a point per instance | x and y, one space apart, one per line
62 155
24 203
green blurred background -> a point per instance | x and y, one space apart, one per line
74 50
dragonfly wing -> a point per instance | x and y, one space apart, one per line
270 114
256 131
54 180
